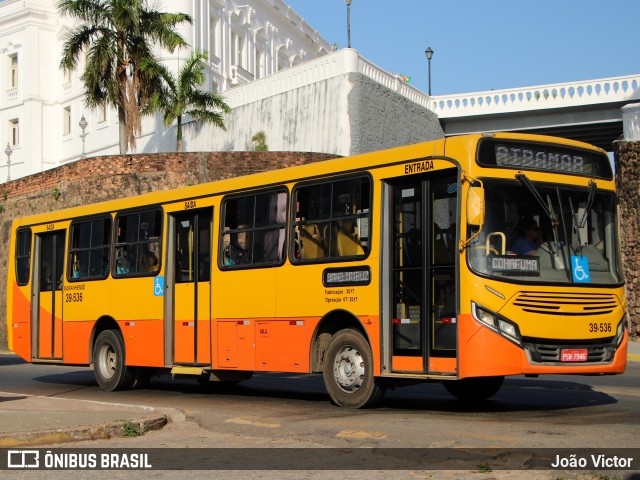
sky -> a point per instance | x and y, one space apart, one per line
484 45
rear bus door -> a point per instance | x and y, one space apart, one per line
48 285
189 288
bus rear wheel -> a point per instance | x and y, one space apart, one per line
474 389
348 371
109 362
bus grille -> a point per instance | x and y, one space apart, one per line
583 304
542 351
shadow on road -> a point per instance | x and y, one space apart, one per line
518 396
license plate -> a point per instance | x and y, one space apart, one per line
575 355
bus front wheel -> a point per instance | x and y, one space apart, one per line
109 363
348 371
474 389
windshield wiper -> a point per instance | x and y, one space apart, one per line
549 211
579 225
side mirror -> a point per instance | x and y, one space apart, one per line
475 206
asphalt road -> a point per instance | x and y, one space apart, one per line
283 409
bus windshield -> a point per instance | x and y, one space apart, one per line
544 233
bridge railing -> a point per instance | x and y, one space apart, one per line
573 94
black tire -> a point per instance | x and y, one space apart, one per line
141 376
474 389
109 362
348 371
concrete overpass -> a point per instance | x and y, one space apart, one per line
589 111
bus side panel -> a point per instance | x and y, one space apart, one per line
19 322
144 342
77 336
140 315
283 345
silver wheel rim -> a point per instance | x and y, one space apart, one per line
108 361
348 369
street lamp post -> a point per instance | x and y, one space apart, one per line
429 53
8 151
348 2
83 125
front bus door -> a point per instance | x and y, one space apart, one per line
421 252
191 275
48 286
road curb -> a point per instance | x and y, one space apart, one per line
119 428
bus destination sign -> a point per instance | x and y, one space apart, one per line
514 265
540 156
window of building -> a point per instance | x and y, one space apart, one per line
13 71
332 220
102 113
237 49
138 243
89 249
259 63
66 121
14 132
283 61
23 256
254 230
213 37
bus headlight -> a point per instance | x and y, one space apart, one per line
620 330
495 322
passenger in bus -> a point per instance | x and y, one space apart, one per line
530 240
149 262
122 262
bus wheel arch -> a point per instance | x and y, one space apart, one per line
327 327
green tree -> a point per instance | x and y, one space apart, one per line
181 96
260 139
117 37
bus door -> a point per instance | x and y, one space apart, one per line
48 282
190 275
421 319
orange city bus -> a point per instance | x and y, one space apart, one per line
378 270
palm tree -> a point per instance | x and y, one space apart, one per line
117 37
181 96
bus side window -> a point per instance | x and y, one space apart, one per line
89 249
138 245
23 256
254 228
332 220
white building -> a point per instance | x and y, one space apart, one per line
40 107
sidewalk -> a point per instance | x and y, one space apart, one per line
33 420
36 421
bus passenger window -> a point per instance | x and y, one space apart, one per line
89 249
23 256
332 220
254 230
138 246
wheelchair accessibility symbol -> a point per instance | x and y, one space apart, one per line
158 287
580 269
